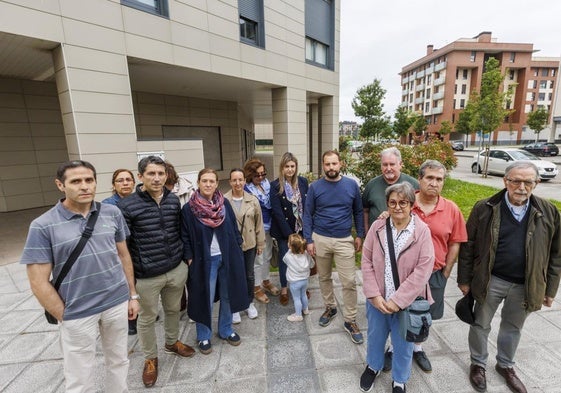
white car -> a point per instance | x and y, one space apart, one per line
499 159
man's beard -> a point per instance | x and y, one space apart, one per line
332 174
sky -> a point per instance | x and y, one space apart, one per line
378 38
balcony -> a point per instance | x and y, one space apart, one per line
420 74
420 87
437 110
429 70
404 92
405 79
438 96
419 100
440 66
439 81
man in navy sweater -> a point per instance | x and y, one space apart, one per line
331 205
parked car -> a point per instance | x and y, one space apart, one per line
499 159
457 145
542 149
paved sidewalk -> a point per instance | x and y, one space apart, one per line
275 355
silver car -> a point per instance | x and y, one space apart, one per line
499 159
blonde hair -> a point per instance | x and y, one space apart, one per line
297 244
285 159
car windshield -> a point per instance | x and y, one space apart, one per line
522 155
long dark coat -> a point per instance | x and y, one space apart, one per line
197 238
284 221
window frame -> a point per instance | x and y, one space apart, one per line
314 44
161 7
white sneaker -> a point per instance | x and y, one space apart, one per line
236 318
306 311
252 311
295 318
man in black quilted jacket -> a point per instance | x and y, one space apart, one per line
152 215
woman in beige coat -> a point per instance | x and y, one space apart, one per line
250 224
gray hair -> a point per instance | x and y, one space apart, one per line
391 150
522 165
404 189
431 164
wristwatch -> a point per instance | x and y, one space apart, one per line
134 297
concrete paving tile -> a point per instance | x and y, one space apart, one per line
334 350
10 301
301 382
554 317
290 353
40 324
17 321
9 372
43 377
26 347
52 352
239 385
277 324
454 334
238 362
444 376
538 329
538 366
312 323
30 303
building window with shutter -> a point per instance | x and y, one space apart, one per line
252 25
156 7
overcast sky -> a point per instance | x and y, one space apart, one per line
378 38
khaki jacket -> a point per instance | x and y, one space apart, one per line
250 221
543 250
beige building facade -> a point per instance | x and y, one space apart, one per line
107 81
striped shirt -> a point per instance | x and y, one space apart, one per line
96 282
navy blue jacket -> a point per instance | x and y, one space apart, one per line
196 246
283 217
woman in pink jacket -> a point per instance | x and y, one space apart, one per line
414 254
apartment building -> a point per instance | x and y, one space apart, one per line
439 84
109 81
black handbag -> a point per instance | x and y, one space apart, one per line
74 256
415 320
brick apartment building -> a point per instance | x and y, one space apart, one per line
439 85
109 80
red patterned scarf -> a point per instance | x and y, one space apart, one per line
209 213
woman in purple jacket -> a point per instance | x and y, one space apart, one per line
414 254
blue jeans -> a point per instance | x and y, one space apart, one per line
298 292
217 277
379 327
283 249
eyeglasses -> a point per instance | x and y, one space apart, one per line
517 183
402 204
127 179
264 174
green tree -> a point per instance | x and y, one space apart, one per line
419 123
445 127
403 121
537 120
489 105
465 125
367 104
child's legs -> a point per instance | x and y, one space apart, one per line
296 289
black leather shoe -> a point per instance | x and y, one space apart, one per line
477 378
512 380
422 361
387 361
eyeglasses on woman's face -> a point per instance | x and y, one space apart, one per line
260 175
392 203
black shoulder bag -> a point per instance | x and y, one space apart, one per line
414 320
88 231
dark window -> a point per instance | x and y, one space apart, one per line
464 89
511 75
465 74
156 7
462 103
320 32
545 71
543 84
512 57
472 56
252 29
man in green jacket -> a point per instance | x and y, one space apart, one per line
513 256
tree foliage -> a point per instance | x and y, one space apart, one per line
367 104
445 127
489 111
412 156
419 123
537 120
404 119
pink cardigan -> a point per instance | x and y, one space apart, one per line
414 264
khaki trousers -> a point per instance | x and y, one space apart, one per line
169 286
342 250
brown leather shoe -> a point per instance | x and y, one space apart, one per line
260 296
179 349
150 372
512 380
283 299
270 288
477 378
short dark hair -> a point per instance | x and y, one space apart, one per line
331 153
142 164
61 171
204 171
430 164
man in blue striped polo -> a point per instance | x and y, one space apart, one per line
98 292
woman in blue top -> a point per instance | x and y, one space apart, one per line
123 185
258 185
288 197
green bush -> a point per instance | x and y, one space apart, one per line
412 156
